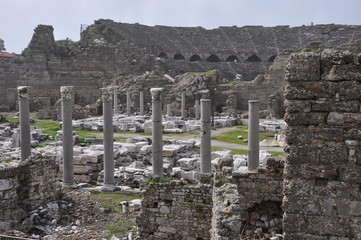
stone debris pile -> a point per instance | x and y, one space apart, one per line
137 123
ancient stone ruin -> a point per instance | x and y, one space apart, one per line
188 191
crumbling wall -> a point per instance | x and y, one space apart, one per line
322 196
247 204
24 187
176 211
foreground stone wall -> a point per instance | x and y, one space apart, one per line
176 211
248 204
322 196
24 187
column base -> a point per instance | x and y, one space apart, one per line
109 188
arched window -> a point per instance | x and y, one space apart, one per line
272 58
163 55
232 58
178 57
213 58
195 58
253 58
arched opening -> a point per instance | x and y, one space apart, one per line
232 58
178 57
213 58
253 58
163 55
195 58
272 58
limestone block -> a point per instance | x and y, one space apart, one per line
96 167
79 160
167 168
313 118
171 150
145 150
304 67
336 118
297 106
82 169
92 157
188 163
218 154
135 204
6 184
332 106
310 90
131 147
191 176
83 178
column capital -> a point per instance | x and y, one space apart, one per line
156 93
23 92
205 94
107 94
66 92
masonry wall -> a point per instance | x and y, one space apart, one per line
322 195
24 187
176 211
248 204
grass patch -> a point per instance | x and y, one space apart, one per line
198 208
13 119
122 225
275 154
112 200
47 126
83 134
232 136
7 161
156 180
120 139
191 133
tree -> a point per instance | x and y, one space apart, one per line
2 45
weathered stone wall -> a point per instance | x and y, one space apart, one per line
108 49
24 187
176 211
248 204
322 197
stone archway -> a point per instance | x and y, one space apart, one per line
163 55
213 58
232 58
195 58
254 58
178 56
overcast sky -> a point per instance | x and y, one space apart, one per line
18 18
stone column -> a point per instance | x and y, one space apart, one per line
128 103
169 110
108 139
253 134
196 109
25 142
115 100
66 93
183 105
206 136
157 130
141 103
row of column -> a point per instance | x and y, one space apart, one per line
67 93
141 105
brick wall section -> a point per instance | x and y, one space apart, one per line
237 195
322 196
32 183
176 211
